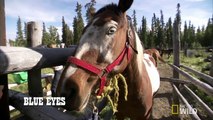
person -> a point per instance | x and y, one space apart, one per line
57 74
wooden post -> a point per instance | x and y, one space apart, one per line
176 62
2 24
34 34
34 39
4 103
176 47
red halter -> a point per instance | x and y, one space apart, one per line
102 73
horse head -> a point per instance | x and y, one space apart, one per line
103 50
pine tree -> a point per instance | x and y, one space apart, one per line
78 24
90 10
199 37
168 34
51 37
189 38
19 30
160 35
67 36
44 28
153 32
134 20
64 33
192 36
177 23
19 34
208 36
153 23
45 36
54 36
161 19
25 31
144 32
151 39
75 30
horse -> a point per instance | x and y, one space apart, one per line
167 51
109 45
153 55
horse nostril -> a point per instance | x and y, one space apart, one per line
72 93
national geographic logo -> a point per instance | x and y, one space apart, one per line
175 109
182 109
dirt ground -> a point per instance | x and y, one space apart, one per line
162 108
162 102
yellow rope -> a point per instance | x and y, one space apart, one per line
113 85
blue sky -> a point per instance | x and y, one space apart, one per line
51 11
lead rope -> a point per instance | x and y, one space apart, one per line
113 85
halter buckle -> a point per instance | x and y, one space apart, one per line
102 73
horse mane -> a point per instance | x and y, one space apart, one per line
113 7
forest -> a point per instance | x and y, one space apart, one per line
158 36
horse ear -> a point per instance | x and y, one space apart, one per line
124 5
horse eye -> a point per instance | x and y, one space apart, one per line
111 31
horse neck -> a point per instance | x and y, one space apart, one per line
135 67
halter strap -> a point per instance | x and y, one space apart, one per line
102 73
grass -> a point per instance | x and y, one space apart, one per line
24 89
198 64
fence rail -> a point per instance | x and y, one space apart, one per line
205 77
196 82
201 85
175 80
194 116
14 59
207 109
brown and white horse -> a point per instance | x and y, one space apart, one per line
153 53
109 45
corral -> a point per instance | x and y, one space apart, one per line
11 59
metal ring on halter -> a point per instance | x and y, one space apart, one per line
95 109
102 73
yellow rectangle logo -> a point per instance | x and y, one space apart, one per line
175 109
